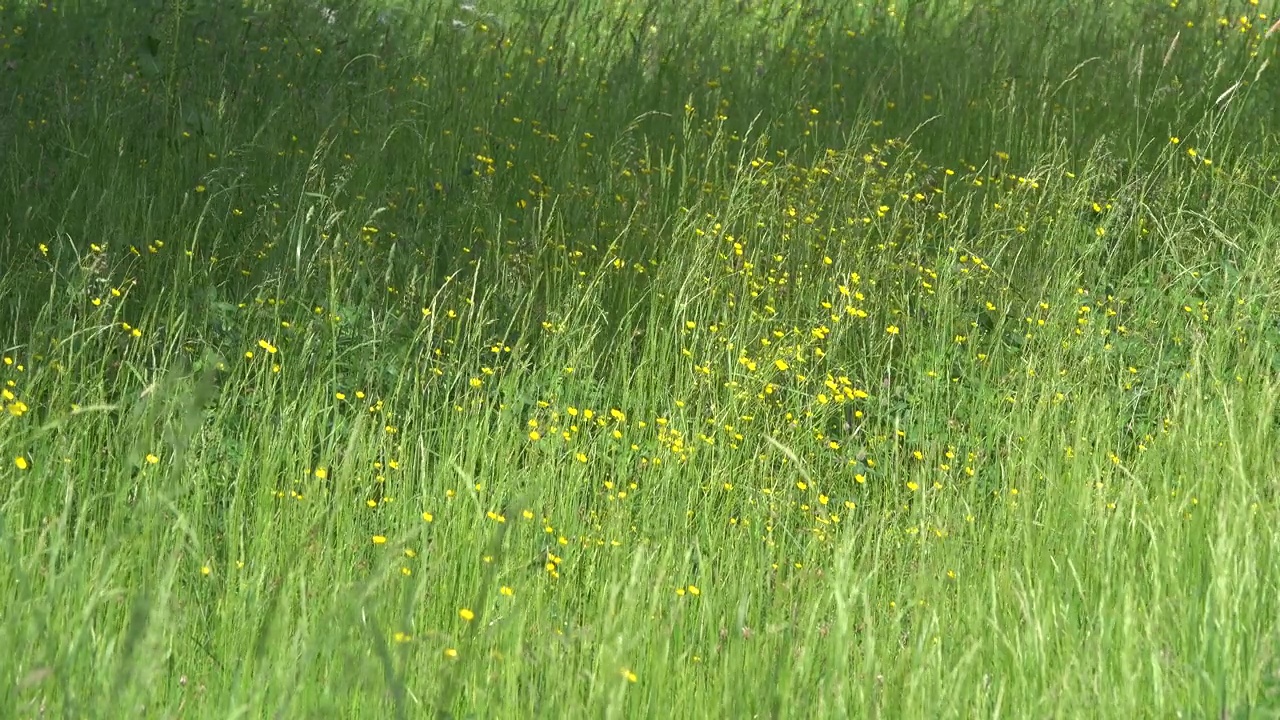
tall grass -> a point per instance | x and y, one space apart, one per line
615 359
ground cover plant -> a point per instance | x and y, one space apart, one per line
587 358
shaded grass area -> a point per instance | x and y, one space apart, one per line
581 359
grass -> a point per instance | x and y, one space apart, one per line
591 359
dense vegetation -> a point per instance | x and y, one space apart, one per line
624 357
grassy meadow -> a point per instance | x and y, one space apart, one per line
631 358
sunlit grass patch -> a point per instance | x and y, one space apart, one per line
371 359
